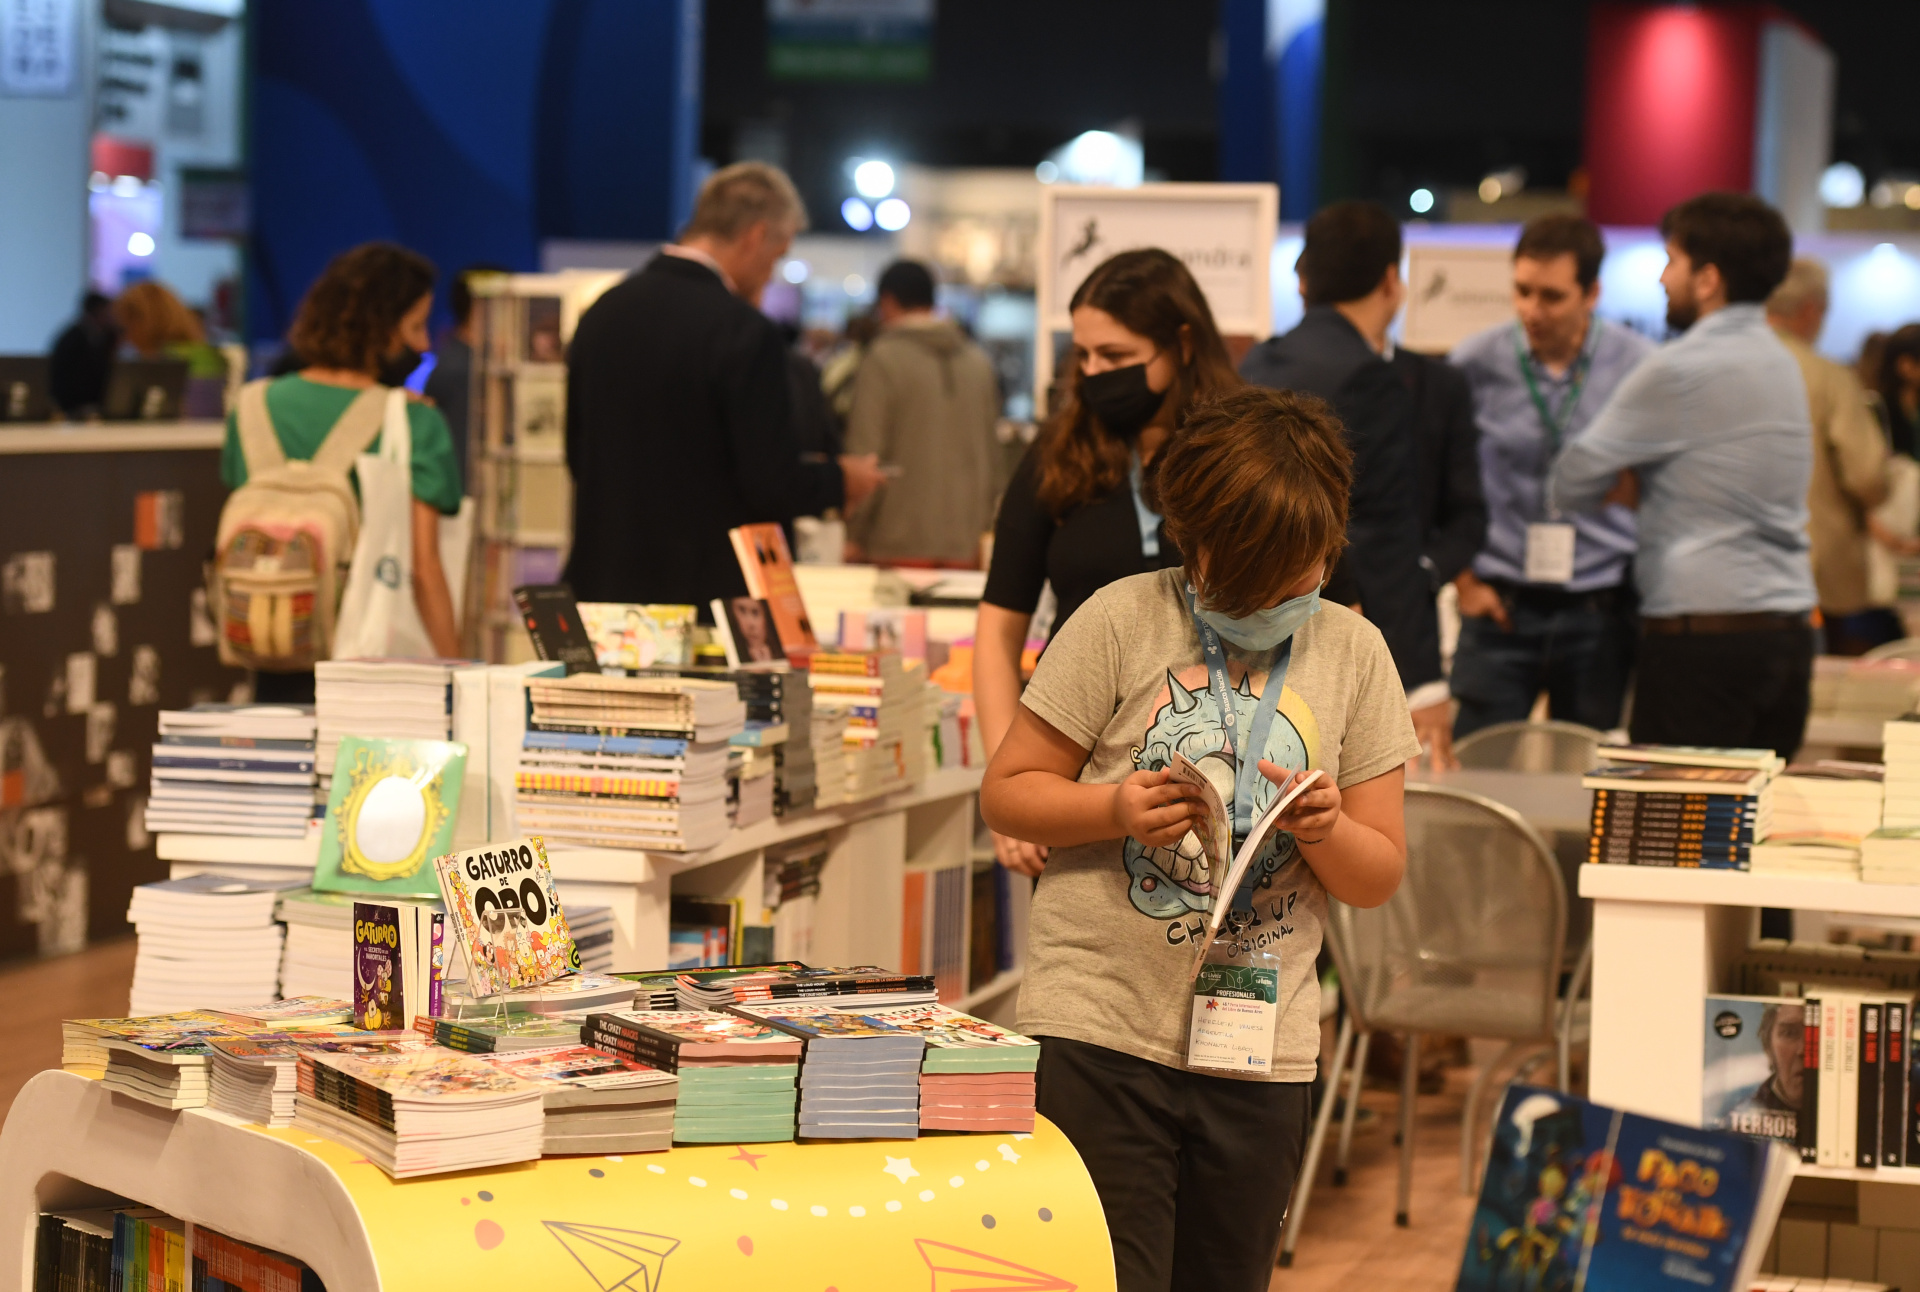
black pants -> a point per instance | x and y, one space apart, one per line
1193 1171
1749 689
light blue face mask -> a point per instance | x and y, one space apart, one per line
1264 629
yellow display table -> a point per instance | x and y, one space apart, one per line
944 1213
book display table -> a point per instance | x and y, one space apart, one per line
1663 940
943 1213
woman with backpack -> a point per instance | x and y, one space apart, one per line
360 330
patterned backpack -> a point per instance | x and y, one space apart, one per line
286 538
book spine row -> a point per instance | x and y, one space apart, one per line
661 787
338 1090
602 1032
1857 1107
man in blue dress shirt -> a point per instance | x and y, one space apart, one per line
1546 604
1711 436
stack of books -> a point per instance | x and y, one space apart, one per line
319 951
499 1033
1864 690
1891 856
861 987
236 769
168 1074
883 707
737 1076
420 1111
397 698
1821 812
1659 805
831 761
592 930
859 1077
206 940
752 764
597 1102
255 1077
976 1076
628 762
1901 739
83 1041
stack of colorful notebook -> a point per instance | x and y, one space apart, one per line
976 1077
236 769
859 1077
737 1076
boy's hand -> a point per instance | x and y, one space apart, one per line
1309 818
1154 811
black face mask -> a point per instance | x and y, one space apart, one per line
397 367
1122 400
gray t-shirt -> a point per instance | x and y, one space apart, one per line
1109 946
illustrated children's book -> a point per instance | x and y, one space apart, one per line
1591 1199
625 635
1215 831
399 963
506 914
390 812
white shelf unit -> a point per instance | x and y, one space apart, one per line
859 911
1664 939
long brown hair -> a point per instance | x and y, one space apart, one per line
1151 294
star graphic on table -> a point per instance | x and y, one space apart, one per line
901 1168
751 1159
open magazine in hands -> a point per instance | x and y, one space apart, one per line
1292 787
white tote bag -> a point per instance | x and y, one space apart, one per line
379 596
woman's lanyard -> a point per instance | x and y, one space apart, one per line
1556 422
1148 519
1247 757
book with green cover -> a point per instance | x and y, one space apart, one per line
958 1042
390 812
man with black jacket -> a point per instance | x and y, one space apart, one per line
1417 515
679 425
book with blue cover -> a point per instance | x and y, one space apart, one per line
1579 1197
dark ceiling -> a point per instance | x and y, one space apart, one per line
1419 92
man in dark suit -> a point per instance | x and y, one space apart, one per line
1417 514
679 426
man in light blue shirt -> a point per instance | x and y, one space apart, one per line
1561 622
1711 437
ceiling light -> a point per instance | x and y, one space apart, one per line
1842 185
794 271
854 285
857 214
1421 200
873 179
892 215
1046 172
140 244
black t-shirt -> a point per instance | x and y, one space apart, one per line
1091 546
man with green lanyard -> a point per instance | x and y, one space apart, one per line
1547 605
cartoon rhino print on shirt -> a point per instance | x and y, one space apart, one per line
1167 883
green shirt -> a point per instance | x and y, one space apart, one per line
304 411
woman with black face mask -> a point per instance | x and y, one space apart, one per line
1078 512
364 323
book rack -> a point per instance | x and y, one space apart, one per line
944 1212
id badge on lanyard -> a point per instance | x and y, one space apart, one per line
1550 543
1236 1005
1549 557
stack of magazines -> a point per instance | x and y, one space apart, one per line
628 762
863 987
737 1076
859 1077
255 1077
597 1102
1664 805
976 1076
884 708
236 769
420 1111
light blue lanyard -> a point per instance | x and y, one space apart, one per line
1149 520
1247 776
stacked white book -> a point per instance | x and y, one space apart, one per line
884 706
830 760
1891 855
205 941
592 930
166 1074
420 1111
750 797
1864 690
396 698
235 769
1901 739
628 762
319 953
1821 813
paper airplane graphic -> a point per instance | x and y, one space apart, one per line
624 1259
955 1269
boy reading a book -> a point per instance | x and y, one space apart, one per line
1231 657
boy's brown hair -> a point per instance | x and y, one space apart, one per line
1256 484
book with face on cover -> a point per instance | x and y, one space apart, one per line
767 567
506 914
